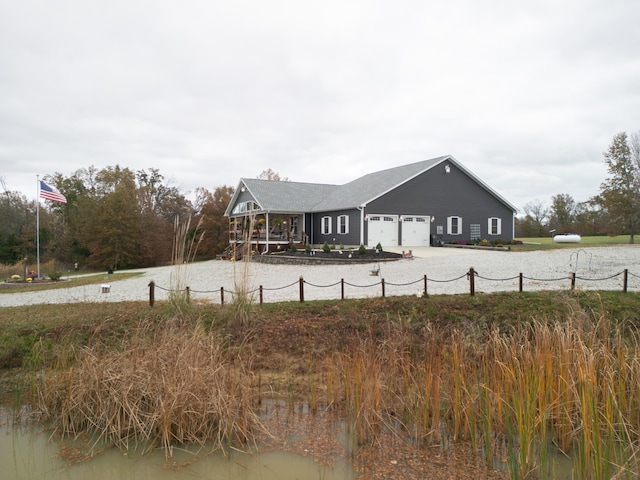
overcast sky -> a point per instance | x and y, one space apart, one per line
526 94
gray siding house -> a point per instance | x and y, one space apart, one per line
421 204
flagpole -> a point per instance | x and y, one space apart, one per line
38 224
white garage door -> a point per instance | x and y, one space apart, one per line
382 229
416 231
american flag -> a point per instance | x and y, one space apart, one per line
50 193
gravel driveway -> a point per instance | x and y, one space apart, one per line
446 269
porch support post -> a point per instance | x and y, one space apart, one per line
266 232
361 208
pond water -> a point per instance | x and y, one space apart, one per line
309 447
30 453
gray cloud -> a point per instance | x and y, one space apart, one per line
527 96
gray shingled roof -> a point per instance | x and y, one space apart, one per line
278 196
369 187
287 196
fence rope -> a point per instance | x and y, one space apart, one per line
446 281
322 286
559 279
362 286
599 279
497 279
429 279
279 288
404 284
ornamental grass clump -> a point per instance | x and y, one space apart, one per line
185 246
521 395
242 305
164 387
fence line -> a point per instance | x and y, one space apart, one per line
472 277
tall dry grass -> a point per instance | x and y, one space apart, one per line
569 387
242 304
185 246
167 386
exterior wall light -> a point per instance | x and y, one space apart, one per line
447 168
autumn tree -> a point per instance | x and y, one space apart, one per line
216 226
115 232
562 213
620 193
589 219
17 229
113 217
160 204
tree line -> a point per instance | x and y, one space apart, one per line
615 210
119 218
114 218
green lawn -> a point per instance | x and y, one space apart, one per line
65 282
543 243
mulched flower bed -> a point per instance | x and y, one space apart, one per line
319 257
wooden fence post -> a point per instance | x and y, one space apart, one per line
301 282
472 281
625 281
573 281
221 295
152 293
342 289
261 295
188 294
382 283
520 282
425 285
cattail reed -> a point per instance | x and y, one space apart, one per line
571 386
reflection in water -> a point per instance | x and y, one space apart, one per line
29 453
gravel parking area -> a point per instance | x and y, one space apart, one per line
596 268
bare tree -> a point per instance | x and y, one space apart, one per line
271 175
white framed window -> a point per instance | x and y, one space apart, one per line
495 226
454 225
245 207
326 226
343 224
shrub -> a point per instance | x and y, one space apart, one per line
55 276
379 247
326 248
362 250
293 248
307 248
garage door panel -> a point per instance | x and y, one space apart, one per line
382 229
416 231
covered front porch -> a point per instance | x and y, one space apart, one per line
268 232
